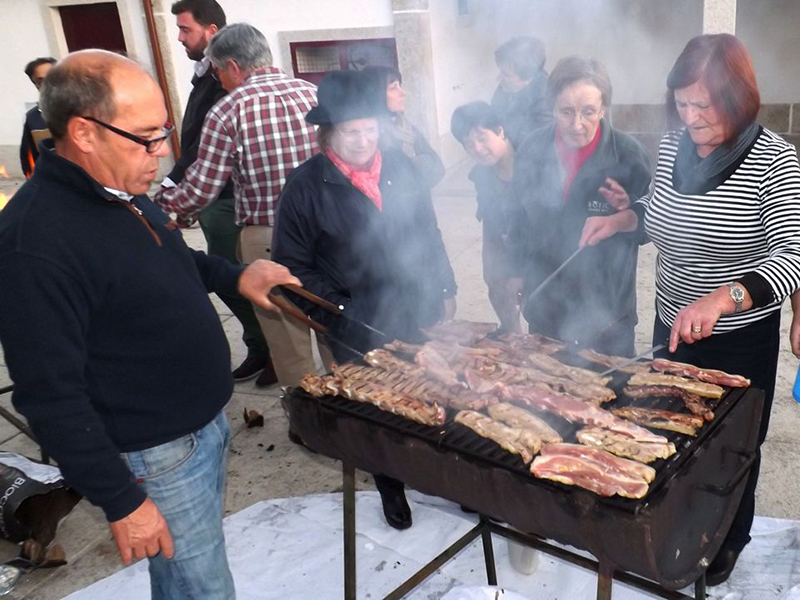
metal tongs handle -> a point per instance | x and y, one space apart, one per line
630 361
330 307
298 314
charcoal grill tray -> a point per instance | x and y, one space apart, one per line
454 436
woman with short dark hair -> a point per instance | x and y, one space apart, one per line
397 131
478 128
724 213
564 175
519 99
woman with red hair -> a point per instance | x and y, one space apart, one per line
724 212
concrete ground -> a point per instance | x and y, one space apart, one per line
264 464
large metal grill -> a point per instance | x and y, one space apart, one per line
669 536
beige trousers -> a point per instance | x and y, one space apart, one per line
289 340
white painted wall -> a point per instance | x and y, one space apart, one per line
22 42
273 16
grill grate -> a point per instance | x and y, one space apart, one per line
456 437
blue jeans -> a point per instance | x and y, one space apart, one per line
186 480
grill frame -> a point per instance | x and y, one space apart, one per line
699 487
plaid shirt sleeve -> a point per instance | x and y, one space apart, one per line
207 176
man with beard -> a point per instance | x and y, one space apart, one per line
198 21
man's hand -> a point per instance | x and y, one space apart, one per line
260 277
142 533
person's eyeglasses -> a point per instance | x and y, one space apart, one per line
151 145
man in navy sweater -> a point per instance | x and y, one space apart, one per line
119 361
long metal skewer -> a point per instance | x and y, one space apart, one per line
630 361
554 274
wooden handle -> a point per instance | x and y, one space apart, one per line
329 306
296 313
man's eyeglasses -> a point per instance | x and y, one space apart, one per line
151 145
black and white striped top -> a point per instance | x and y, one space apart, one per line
749 223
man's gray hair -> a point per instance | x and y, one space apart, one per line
242 43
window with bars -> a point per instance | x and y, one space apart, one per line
313 60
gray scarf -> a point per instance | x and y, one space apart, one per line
695 174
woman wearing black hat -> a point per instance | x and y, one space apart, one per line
357 227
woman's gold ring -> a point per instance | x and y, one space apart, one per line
697 329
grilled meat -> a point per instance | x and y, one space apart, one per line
523 442
436 367
661 419
707 375
417 386
622 445
548 364
532 341
593 469
576 410
515 416
707 390
697 405
612 361
387 361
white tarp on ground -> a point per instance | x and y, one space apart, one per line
292 549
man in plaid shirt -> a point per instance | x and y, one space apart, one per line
255 136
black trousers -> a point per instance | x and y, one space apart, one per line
751 351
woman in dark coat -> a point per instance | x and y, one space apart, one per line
357 227
565 174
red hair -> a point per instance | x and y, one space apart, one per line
723 65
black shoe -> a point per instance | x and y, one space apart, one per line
396 509
267 377
250 367
722 566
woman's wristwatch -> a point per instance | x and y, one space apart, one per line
737 295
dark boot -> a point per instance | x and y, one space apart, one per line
393 497
722 566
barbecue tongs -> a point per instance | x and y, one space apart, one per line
318 327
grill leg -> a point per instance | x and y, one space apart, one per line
700 587
605 579
349 498
488 552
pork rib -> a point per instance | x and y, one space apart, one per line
514 416
548 364
576 410
707 375
622 445
611 463
661 419
707 390
523 442
592 469
696 404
